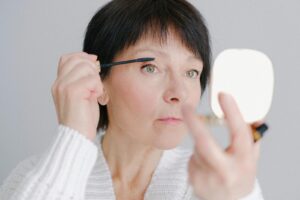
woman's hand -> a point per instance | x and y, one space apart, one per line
75 92
218 174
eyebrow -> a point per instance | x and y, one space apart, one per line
150 50
164 54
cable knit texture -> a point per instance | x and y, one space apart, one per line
74 168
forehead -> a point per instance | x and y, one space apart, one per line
171 46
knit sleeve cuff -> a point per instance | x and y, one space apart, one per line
64 169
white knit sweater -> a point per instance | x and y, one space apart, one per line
74 168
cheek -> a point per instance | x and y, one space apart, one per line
194 95
136 109
197 95
141 99
138 100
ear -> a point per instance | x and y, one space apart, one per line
104 98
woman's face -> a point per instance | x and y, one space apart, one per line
144 98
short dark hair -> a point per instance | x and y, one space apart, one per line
121 23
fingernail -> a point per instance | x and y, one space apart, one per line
225 97
93 56
97 65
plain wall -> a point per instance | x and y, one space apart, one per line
35 33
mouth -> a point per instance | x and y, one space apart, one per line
170 120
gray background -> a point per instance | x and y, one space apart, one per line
35 33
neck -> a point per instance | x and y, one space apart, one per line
131 163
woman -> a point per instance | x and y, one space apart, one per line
146 108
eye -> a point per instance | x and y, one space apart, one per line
193 73
149 68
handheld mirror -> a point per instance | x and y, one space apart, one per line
248 76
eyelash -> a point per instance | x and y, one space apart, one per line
147 65
196 72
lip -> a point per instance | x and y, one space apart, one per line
170 120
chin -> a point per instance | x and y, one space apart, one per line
169 139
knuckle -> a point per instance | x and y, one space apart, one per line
70 55
65 90
59 70
83 53
225 177
239 128
70 91
53 88
63 62
88 72
248 165
60 88
96 80
73 58
85 65
62 59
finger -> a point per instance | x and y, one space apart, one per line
258 123
77 72
98 65
66 57
205 145
196 160
197 177
87 87
200 162
240 131
73 62
256 150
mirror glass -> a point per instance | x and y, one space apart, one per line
248 76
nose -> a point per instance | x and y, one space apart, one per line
176 91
